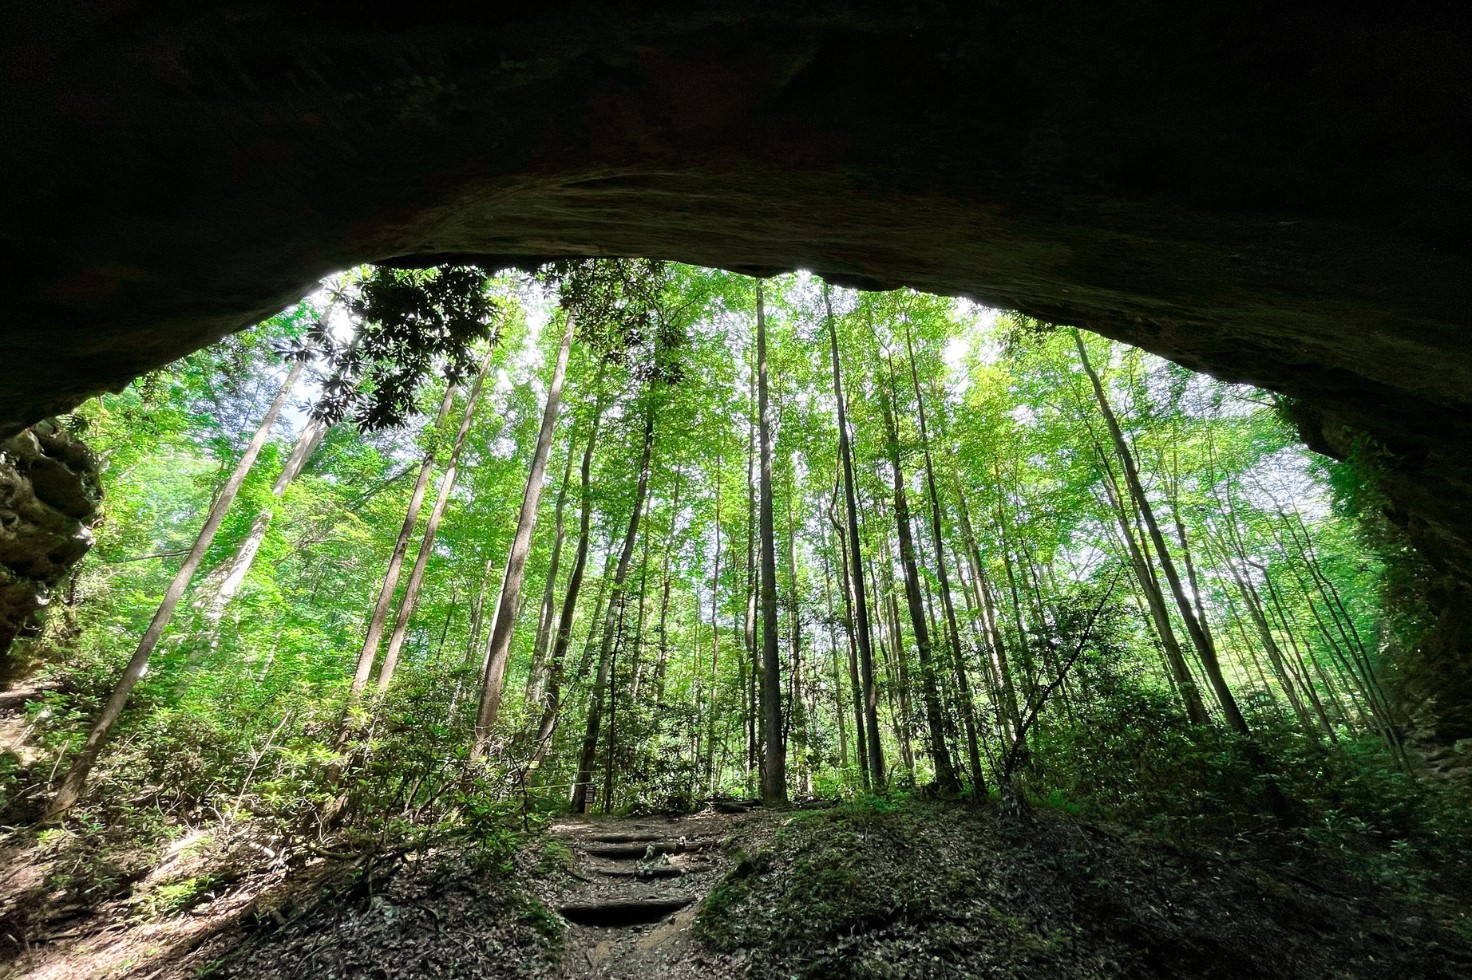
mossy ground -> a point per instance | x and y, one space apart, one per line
928 890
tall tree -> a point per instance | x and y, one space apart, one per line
774 772
547 614
588 756
234 572
940 753
378 619
498 647
1204 645
953 630
75 780
856 562
562 637
410 598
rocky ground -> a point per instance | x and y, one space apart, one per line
592 897
918 891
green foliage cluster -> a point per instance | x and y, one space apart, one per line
247 719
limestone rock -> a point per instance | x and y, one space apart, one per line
50 497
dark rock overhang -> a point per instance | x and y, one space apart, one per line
1272 192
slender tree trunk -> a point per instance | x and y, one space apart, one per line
662 656
940 753
774 771
498 647
410 599
1012 714
562 638
548 615
1144 575
379 619
753 586
1009 562
856 688
838 706
715 645
1234 552
935 726
245 556
76 778
636 671
948 605
1253 603
797 712
588 756
889 641
594 640
477 614
861 604
1199 636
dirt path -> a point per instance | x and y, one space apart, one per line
630 901
627 888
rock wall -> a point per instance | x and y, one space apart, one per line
50 497
1274 191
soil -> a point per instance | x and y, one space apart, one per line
919 891
597 897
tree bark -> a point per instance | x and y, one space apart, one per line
498 647
715 645
1204 646
379 618
75 781
562 638
986 602
856 688
774 769
1155 601
587 758
410 599
240 564
861 604
940 753
948 605
547 616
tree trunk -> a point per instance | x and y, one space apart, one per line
715 645
498 648
1154 600
548 614
861 604
797 710
240 564
940 753
562 638
1204 646
986 601
379 619
662 655
948 605
431 530
774 770
71 787
637 669
587 758
856 688
838 707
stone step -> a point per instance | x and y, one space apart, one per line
639 871
626 837
619 912
643 849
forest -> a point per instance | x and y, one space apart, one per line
448 560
